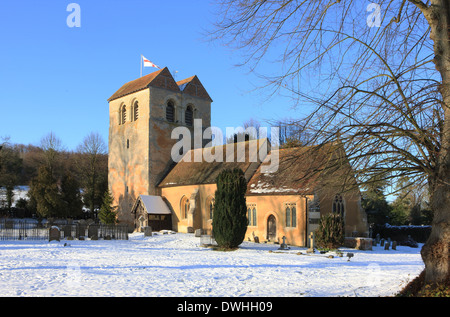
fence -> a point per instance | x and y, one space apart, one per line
28 230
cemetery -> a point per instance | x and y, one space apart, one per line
32 229
177 264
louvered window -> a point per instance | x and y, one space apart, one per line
170 112
136 111
189 118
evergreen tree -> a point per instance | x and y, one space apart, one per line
44 193
230 210
72 205
330 234
10 168
107 214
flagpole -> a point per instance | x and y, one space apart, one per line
141 65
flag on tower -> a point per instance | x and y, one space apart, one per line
147 63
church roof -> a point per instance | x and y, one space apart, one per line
301 170
163 79
195 173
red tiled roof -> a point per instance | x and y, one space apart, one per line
192 86
163 78
302 170
136 85
195 173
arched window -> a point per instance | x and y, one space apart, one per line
135 111
170 111
338 205
291 215
189 116
288 216
185 206
251 215
123 114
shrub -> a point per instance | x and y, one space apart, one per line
108 213
230 209
330 234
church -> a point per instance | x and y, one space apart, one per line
151 189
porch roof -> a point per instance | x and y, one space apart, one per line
152 205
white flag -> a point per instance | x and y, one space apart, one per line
147 63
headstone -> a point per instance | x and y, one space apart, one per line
148 232
93 231
311 243
54 234
381 242
198 233
81 228
394 245
283 245
256 238
363 244
386 245
205 240
67 231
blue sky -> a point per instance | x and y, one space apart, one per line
54 78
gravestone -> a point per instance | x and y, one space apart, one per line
67 231
198 233
148 232
283 245
394 245
363 244
81 228
311 243
93 231
381 242
386 245
54 234
256 238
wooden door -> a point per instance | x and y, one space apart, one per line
271 228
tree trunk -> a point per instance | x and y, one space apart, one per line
435 253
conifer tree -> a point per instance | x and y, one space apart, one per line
44 192
107 214
72 204
230 210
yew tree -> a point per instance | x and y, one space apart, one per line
373 76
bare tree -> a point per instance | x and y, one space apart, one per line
52 147
377 79
93 169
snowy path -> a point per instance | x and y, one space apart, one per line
175 265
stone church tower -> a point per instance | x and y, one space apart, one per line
142 115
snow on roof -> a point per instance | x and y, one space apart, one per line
152 204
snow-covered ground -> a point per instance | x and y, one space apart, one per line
176 265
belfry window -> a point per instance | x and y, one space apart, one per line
189 116
123 114
170 112
136 111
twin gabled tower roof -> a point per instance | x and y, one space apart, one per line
163 79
